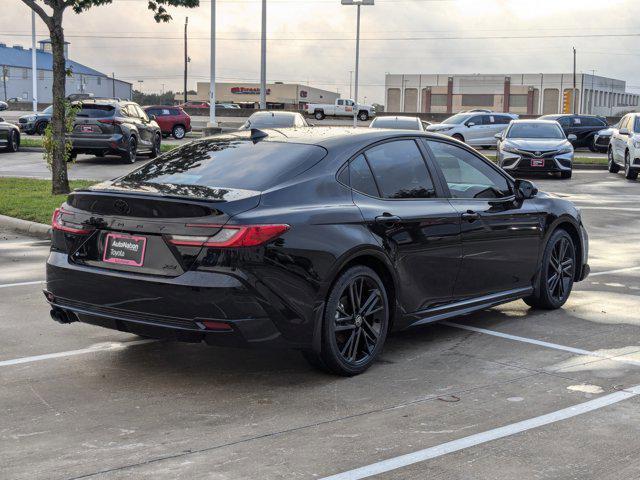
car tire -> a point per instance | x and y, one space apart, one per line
130 155
99 155
155 149
319 115
363 116
41 127
13 142
613 166
629 173
72 157
457 136
592 145
351 341
557 273
566 175
179 132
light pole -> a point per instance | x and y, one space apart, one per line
212 71
263 58
358 3
34 68
350 83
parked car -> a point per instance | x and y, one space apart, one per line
9 136
36 122
299 240
341 108
120 128
3 105
584 127
476 129
271 119
401 123
172 120
228 106
624 148
602 138
194 105
535 146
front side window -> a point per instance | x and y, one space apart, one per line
564 121
477 120
399 170
468 176
636 127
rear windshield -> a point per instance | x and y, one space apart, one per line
96 111
398 123
231 163
270 121
536 130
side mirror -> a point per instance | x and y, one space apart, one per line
571 137
470 124
525 189
498 136
624 131
152 118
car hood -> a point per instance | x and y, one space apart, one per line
605 132
440 126
37 115
536 143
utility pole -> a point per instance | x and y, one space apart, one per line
34 67
212 69
593 74
350 81
263 58
5 74
574 82
186 58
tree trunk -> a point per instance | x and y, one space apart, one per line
59 178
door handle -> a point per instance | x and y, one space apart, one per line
387 219
470 216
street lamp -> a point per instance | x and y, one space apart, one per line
358 3
263 58
212 72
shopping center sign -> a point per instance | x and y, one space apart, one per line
248 90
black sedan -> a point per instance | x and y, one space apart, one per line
584 127
321 240
9 136
36 122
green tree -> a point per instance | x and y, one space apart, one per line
51 12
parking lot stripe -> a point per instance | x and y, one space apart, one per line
484 437
100 347
619 270
577 351
20 284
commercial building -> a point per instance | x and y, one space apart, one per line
16 75
279 94
517 93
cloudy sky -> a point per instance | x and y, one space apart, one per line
311 41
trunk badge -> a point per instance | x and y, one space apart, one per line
121 206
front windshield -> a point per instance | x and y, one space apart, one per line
535 130
456 119
48 110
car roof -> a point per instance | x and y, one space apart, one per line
398 118
274 114
533 120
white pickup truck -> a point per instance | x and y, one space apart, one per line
342 108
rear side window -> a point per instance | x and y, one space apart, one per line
503 119
96 111
361 178
399 170
592 122
230 163
174 111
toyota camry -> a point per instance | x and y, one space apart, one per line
315 239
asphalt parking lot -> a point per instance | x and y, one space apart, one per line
506 393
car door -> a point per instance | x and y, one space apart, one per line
619 140
567 124
145 127
418 228
475 132
501 237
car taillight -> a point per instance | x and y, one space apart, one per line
110 121
68 227
231 236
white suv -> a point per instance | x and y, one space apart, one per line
624 147
473 128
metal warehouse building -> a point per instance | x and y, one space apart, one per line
279 95
16 75
517 93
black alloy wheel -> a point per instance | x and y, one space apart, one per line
13 142
130 155
41 127
355 323
629 173
613 166
155 148
557 273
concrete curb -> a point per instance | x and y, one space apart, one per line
589 166
25 226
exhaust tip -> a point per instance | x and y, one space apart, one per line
61 316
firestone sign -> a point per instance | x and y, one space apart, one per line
248 90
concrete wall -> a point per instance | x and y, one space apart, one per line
19 85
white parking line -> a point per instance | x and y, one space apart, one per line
20 284
100 347
618 270
484 437
577 351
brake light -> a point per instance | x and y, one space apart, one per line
110 121
58 224
231 236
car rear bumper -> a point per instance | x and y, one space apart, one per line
217 308
116 143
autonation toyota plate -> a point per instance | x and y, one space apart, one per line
124 249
